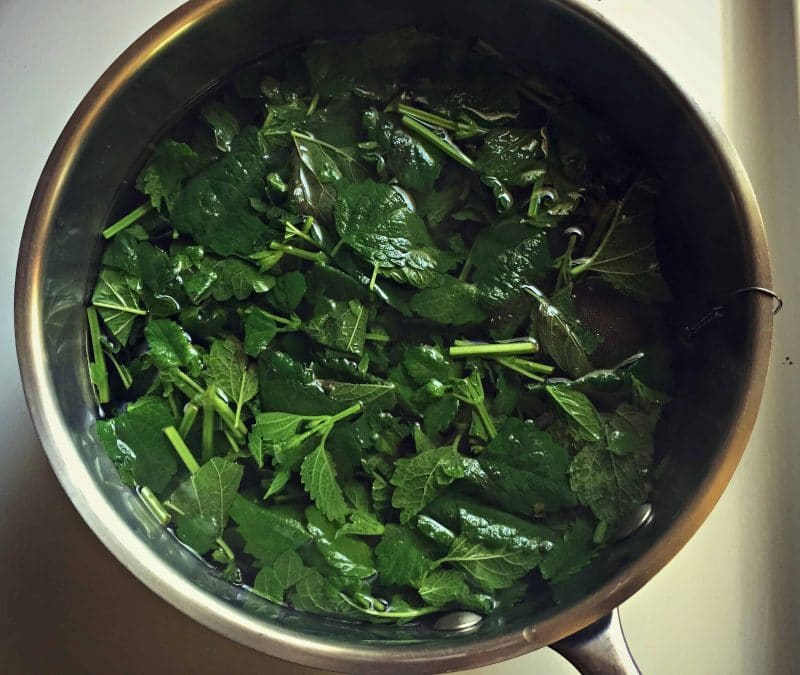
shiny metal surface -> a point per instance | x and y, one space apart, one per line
600 649
188 52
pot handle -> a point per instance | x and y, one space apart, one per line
599 649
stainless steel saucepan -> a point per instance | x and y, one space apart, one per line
712 244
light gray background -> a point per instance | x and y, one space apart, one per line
728 604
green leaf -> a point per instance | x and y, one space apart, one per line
441 587
288 292
361 523
338 324
513 156
524 470
259 331
228 368
170 347
321 171
350 557
277 427
116 298
561 335
237 279
609 484
318 475
419 480
581 414
506 257
572 553
439 415
222 122
628 259
415 164
267 532
165 173
401 557
206 495
135 443
316 594
348 393
214 206
273 582
630 431
424 363
490 569
377 222
452 302
279 482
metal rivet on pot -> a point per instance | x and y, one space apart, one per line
636 520
457 622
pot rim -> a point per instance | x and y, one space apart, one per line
212 611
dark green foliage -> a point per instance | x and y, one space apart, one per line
348 299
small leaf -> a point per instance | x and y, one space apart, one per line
267 531
360 523
441 587
581 414
222 122
318 475
419 480
350 557
169 346
230 371
341 325
491 569
259 331
165 173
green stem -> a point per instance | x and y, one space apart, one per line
99 372
332 148
155 505
378 337
352 410
480 408
446 147
120 308
189 416
599 535
278 319
128 220
172 405
566 263
191 389
580 269
521 366
180 447
295 232
494 349
122 371
313 105
225 549
231 441
317 256
462 129
337 248
208 423
374 277
389 614
467 265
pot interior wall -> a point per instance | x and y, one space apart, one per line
703 231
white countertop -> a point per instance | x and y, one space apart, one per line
730 601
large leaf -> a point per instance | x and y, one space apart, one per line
415 164
401 556
451 302
561 335
170 347
350 557
338 324
135 442
267 532
581 414
320 172
214 206
419 480
117 300
165 173
206 495
490 568
377 222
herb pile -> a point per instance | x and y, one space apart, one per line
338 347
